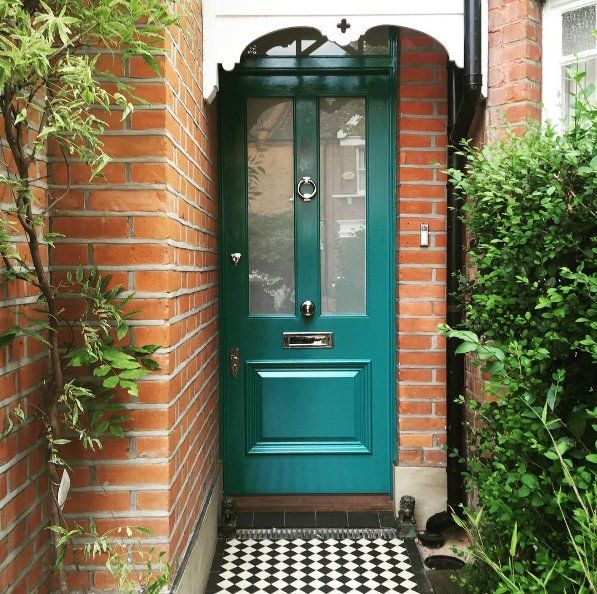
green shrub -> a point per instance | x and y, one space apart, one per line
530 300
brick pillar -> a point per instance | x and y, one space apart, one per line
514 78
153 223
422 99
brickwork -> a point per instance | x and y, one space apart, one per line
421 290
23 486
514 77
153 223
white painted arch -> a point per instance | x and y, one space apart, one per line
229 26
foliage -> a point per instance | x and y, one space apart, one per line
120 561
531 321
270 274
52 93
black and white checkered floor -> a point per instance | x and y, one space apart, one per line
316 566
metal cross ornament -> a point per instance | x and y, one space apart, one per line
343 25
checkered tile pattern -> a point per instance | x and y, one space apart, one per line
316 567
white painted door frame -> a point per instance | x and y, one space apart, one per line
229 26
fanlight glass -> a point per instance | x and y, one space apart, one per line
304 42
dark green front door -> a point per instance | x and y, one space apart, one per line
308 392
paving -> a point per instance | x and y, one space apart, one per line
317 553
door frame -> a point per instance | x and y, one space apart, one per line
360 65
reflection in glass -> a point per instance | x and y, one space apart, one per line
270 174
304 42
343 206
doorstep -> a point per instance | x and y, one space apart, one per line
316 519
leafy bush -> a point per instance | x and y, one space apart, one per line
531 319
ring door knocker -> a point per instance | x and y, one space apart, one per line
306 181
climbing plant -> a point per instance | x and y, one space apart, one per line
530 298
50 94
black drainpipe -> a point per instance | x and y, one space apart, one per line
464 95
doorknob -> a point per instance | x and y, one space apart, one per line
308 309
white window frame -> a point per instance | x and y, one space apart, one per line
553 60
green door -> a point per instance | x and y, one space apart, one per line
307 275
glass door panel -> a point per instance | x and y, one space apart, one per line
270 174
343 207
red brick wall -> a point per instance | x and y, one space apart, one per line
421 291
153 223
23 487
514 77
194 437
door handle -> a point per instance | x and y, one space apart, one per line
233 361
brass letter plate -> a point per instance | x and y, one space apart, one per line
308 340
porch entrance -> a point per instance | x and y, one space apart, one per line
307 281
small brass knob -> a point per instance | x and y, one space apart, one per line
308 309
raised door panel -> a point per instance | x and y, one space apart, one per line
313 407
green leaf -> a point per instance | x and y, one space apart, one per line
102 370
530 480
150 364
96 416
7 337
514 540
122 331
131 387
592 458
21 116
577 422
102 427
111 382
551 396
116 430
150 348
466 347
143 530
133 374
494 367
